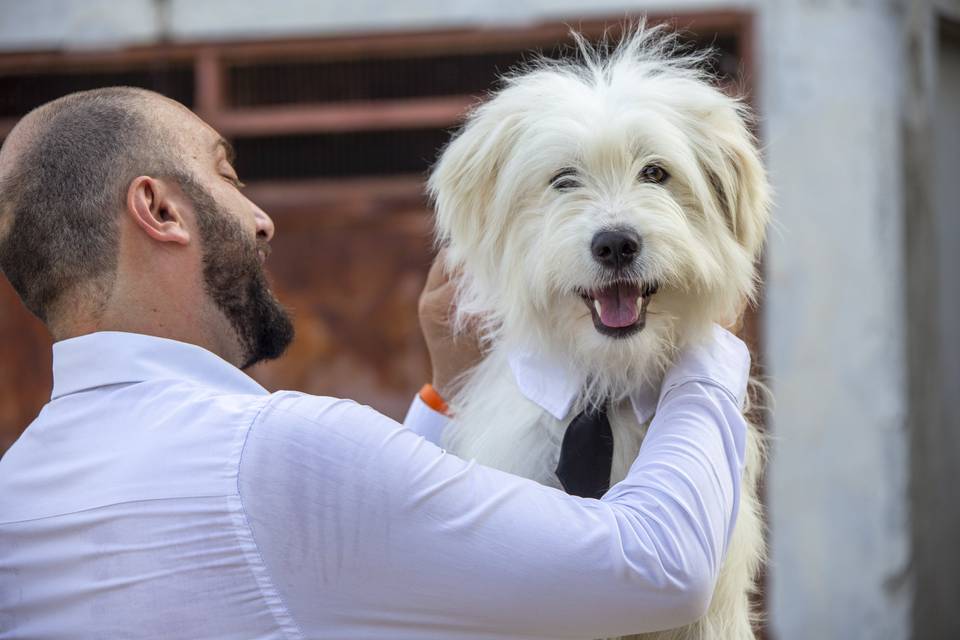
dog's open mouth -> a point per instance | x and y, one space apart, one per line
619 310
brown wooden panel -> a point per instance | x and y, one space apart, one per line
357 116
25 377
352 284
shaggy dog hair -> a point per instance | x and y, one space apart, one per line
631 139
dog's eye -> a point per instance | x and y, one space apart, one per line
654 173
565 179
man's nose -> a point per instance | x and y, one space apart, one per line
265 227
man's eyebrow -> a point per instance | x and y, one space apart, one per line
227 149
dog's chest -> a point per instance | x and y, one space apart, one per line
496 425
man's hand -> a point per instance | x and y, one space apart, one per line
450 355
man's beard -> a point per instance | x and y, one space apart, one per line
235 280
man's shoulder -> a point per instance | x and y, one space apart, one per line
292 421
300 443
300 406
299 417
157 440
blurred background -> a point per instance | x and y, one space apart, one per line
338 109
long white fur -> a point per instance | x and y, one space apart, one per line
524 251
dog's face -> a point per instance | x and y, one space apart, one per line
609 211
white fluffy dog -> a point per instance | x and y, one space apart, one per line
604 212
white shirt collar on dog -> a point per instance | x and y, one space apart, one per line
553 385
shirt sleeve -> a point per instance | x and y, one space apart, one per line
424 421
367 526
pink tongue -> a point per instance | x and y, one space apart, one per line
618 305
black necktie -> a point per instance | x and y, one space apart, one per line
586 454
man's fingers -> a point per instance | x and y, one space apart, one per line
437 275
436 280
436 299
435 306
450 355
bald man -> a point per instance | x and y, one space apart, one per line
162 493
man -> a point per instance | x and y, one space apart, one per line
162 493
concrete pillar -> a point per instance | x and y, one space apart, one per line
831 82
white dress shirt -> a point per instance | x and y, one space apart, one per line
162 493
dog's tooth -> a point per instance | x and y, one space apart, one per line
596 305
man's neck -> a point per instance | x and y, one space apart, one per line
211 331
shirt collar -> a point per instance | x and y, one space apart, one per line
114 357
552 384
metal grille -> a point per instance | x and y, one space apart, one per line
305 81
302 81
19 94
378 153
370 153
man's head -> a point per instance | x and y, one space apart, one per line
120 209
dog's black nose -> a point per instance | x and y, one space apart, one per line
615 249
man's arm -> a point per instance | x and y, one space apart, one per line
365 525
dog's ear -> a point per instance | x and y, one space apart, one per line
463 182
737 179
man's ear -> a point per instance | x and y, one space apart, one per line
157 209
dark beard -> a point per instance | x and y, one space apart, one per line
235 280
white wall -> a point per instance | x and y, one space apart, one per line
38 24
830 82
51 24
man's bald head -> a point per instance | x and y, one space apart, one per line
64 172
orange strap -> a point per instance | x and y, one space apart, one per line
433 399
